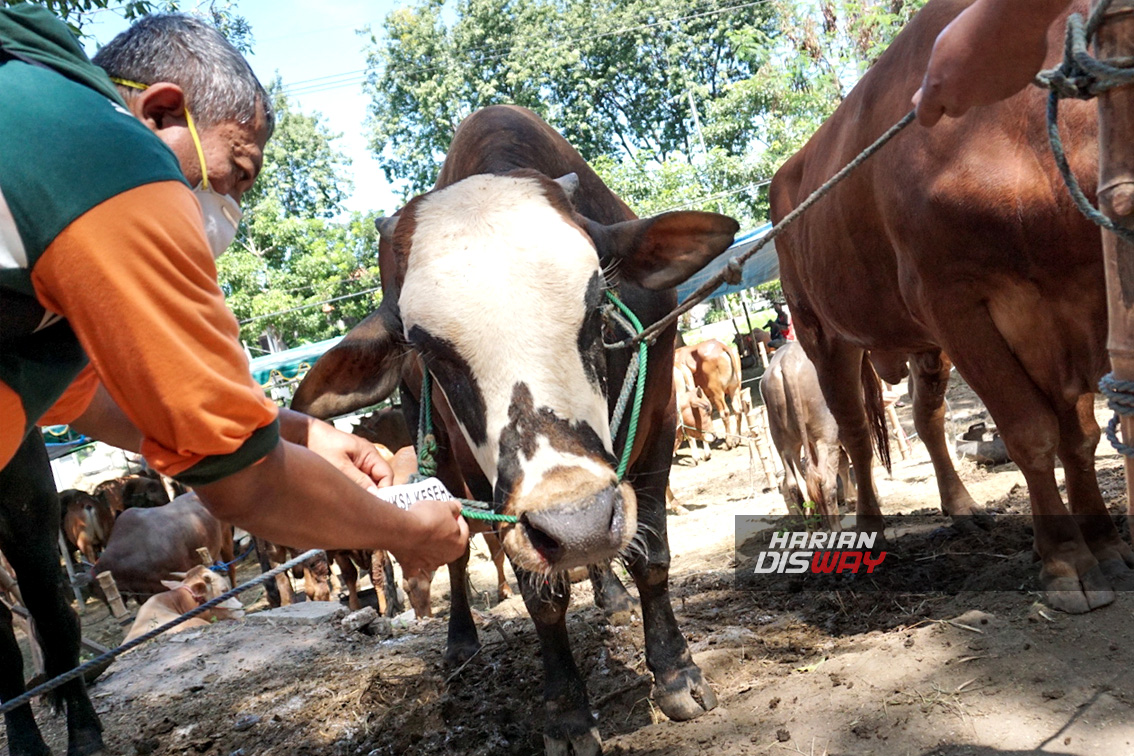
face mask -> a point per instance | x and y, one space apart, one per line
221 212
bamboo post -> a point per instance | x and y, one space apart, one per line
1116 199
205 557
113 597
70 571
763 353
22 619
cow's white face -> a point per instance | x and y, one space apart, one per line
502 297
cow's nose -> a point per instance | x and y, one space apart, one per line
579 532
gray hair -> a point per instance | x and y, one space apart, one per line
218 82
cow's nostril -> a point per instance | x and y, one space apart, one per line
547 546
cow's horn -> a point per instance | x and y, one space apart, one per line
569 183
386 227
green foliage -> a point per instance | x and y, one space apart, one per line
75 13
772 291
676 105
290 256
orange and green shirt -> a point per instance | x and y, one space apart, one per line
105 272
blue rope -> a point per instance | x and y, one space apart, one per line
223 566
1120 398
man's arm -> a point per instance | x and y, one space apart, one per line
152 319
988 53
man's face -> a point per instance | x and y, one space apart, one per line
234 154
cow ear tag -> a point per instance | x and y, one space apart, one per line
408 494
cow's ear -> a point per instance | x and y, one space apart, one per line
663 251
171 584
360 371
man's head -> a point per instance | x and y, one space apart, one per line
186 64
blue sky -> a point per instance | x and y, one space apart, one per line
305 40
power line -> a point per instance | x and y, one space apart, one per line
349 78
308 306
720 195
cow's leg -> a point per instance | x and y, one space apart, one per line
929 372
679 688
350 579
611 595
823 475
1071 577
496 550
569 723
463 641
1078 439
839 367
385 586
270 586
24 738
850 492
29 522
317 579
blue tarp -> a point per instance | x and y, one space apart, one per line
765 266
289 362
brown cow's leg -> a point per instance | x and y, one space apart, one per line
496 550
1078 439
1071 577
569 723
929 372
29 523
839 365
271 587
317 579
350 578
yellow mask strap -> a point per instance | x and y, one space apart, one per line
188 120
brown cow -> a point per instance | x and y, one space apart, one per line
149 545
798 421
694 414
716 371
87 523
962 240
130 491
495 279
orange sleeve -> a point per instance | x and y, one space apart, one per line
136 280
74 401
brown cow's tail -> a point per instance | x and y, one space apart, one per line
875 411
733 398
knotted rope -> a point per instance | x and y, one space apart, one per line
1082 76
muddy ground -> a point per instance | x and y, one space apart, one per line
849 672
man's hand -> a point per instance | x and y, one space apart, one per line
991 51
352 455
441 536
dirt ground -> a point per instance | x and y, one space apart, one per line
973 673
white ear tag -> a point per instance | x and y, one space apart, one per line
405 495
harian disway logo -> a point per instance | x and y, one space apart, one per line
820 553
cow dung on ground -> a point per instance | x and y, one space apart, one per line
849 673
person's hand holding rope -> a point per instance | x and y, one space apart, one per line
988 53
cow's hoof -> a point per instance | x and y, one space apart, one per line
975 523
684 694
457 653
1078 595
623 608
589 744
85 743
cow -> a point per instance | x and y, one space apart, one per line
186 592
494 281
149 545
960 243
386 427
130 491
716 371
798 421
29 520
87 523
694 414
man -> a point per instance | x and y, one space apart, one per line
989 52
103 256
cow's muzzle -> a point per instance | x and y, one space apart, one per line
578 533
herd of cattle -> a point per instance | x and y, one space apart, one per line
953 246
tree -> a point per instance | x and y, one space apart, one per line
620 78
294 270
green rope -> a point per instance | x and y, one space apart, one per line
639 390
479 510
